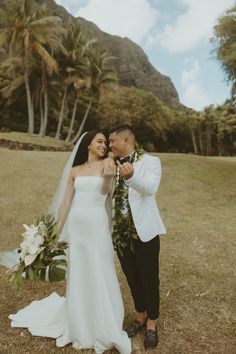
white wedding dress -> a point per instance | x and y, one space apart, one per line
91 315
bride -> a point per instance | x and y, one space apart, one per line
91 314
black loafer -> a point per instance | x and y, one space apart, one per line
134 328
151 339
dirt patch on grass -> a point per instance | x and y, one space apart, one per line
197 201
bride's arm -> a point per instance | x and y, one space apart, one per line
66 203
109 170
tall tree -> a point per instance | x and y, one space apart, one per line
210 118
80 85
226 132
73 64
224 41
101 76
192 122
29 31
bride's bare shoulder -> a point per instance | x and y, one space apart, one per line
108 161
74 171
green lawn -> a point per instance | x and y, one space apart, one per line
26 138
197 199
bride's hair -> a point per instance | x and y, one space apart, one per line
82 153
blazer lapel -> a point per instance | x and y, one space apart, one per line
137 166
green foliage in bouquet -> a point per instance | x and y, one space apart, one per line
41 257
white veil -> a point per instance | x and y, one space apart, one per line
60 192
10 258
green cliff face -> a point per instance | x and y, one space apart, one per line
134 68
132 64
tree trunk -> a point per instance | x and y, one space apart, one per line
208 140
45 121
44 113
59 125
220 141
221 149
72 121
201 144
29 105
194 141
41 116
82 124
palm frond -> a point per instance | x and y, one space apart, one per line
11 65
47 25
44 54
3 37
3 18
12 86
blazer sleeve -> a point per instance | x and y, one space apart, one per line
148 183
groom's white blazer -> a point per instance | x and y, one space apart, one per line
143 186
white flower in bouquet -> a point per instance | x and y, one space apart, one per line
31 246
41 256
31 231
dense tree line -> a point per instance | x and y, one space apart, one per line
213 130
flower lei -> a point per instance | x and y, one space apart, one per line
124 232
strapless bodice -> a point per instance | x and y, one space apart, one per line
88 190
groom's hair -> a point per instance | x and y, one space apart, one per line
126 129
121 128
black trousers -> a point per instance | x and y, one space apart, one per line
141 269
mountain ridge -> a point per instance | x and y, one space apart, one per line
132 64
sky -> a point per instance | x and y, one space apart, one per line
175 35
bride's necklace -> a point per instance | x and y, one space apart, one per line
91 164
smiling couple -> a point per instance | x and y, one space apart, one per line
91 314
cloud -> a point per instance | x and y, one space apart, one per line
71 5
193 92
126 18
194 26
162 27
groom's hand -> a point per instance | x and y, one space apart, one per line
126 170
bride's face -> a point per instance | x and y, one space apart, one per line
98 145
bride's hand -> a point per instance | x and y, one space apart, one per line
109 168
109 171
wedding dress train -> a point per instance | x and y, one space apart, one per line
91 315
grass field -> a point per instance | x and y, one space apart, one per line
197 199
26 138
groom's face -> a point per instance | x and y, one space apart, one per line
118 144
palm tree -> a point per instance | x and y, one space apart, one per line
41 79
101 72
29 32
73 65
101 76
11 76
80 86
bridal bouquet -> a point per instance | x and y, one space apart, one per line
41 258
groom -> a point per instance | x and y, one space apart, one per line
136 227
